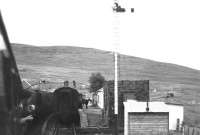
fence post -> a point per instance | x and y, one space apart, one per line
182 127
185 130
177 124
192 131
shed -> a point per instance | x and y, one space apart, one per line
161 115
100 98
127 89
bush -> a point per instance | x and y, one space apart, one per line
96 81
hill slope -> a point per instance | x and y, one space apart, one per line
74 63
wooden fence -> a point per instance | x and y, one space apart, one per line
191 130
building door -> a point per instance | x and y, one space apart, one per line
148 123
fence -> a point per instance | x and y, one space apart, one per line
191 130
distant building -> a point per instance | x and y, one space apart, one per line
154 90
100 98
160 118
27 85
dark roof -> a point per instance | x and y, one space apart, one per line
171 103
25 84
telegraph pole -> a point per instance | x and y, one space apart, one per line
117 9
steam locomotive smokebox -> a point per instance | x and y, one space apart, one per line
67 103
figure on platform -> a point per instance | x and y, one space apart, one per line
23 116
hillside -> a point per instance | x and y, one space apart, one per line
74 63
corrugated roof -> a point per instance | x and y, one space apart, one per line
26 84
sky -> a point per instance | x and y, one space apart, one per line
161 30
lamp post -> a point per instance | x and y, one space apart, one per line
117 9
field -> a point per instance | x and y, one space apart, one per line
57 64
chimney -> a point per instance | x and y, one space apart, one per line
74 84
66 83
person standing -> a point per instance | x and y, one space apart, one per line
86 103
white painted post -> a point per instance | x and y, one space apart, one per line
116 44
116 84
117 10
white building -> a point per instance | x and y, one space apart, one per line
100 98
175 112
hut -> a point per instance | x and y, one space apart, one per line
127 89
159 119
100 98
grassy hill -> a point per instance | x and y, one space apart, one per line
60 63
